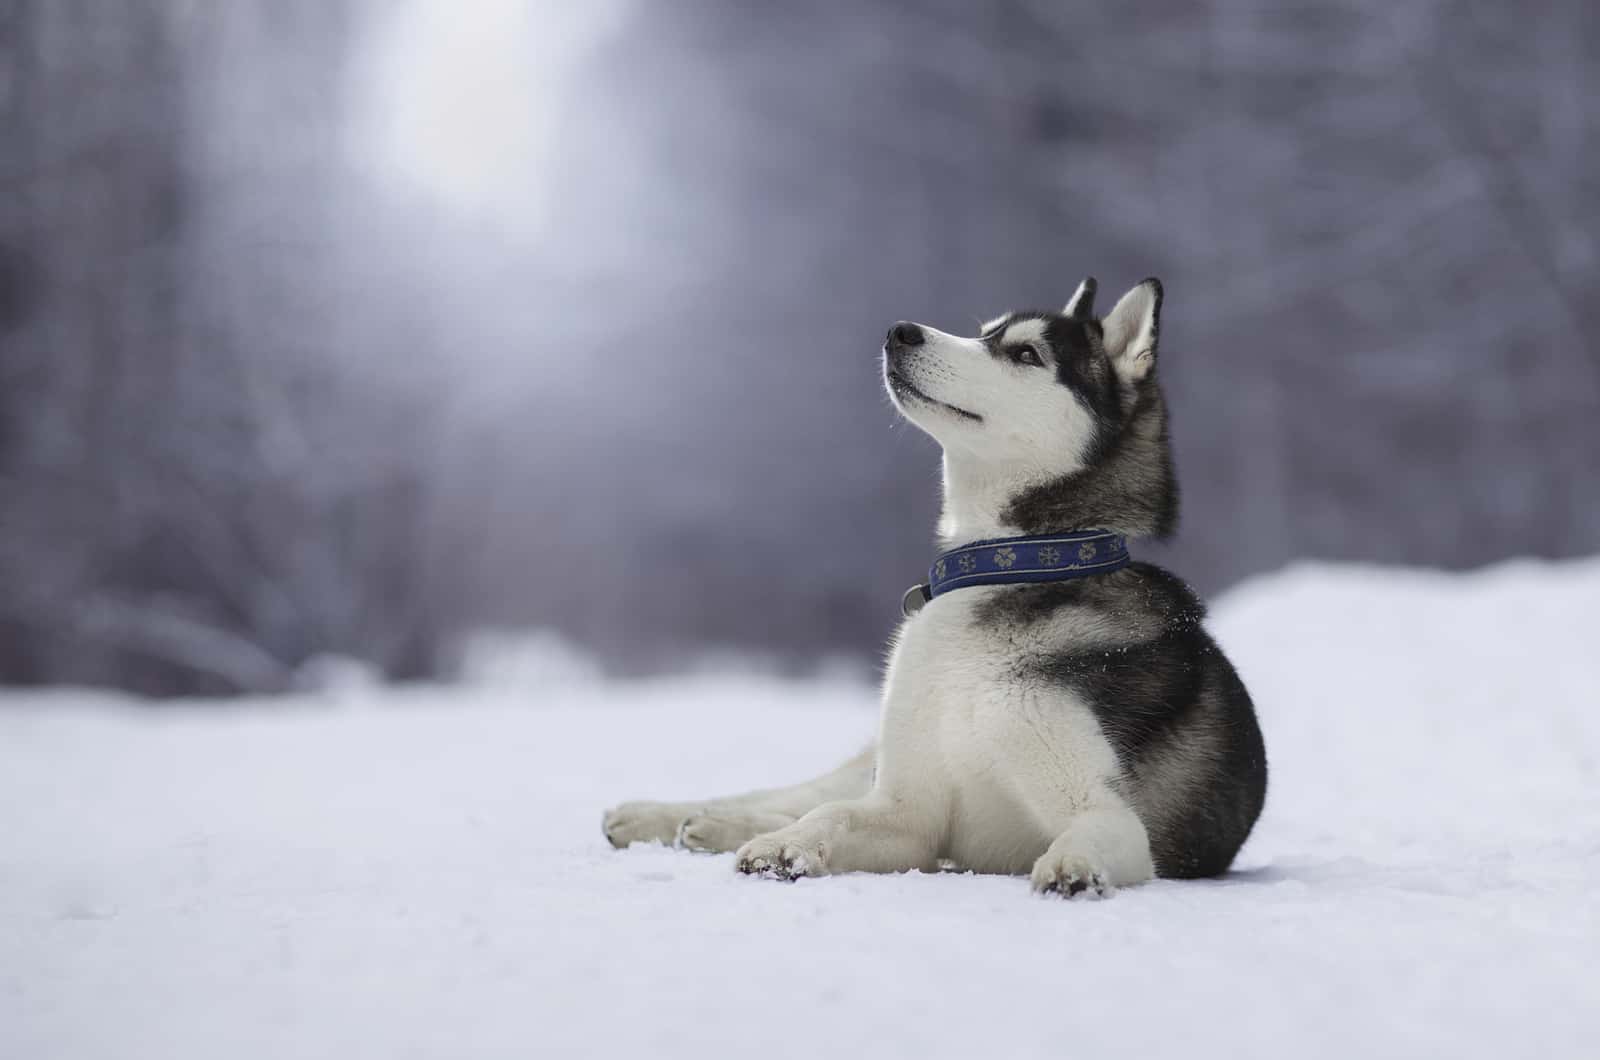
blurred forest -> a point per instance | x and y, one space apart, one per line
341 327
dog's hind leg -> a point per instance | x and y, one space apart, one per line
719 825
1103 847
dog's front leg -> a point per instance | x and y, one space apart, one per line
719 825
876 833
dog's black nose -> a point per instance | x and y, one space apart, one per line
904 333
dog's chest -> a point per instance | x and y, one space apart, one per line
968 699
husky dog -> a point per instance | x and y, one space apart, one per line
1087 731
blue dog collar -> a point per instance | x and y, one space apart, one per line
1019 560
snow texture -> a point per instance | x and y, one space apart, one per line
311 878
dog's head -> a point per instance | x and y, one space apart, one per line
1047 388
1046 396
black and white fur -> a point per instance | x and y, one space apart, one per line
1087 732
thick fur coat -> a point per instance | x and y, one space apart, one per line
1087 733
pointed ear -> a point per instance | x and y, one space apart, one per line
1131 331
1081 304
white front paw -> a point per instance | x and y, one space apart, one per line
780 858
714 835
1070 874
643 822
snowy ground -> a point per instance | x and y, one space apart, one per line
428 879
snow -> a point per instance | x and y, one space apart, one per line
311 878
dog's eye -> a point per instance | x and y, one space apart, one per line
1029 355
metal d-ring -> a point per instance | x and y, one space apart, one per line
915 599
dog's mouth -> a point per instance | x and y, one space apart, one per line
905 388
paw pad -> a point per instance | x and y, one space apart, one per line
784 863
1073 884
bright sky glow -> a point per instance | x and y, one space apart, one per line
464 102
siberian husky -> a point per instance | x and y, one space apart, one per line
1085 731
